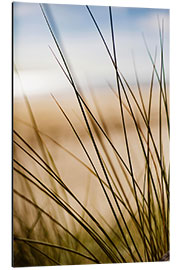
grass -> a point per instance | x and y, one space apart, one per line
60 229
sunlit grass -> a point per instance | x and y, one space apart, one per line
62 229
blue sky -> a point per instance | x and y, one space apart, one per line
79 38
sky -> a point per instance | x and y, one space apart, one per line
82 46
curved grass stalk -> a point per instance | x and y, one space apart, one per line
130 212
144 117
32 241
56 222
53 196
133 96
76 199
151 218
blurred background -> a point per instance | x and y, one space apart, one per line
37 116
81 43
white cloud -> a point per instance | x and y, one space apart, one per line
24 9
150 22
89 61
88 56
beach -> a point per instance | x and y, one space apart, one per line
67 152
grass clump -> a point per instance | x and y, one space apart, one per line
61 228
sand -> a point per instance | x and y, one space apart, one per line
77 177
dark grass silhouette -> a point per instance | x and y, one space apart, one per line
139 231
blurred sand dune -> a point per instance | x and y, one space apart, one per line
51 122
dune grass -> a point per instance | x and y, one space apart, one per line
139 229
